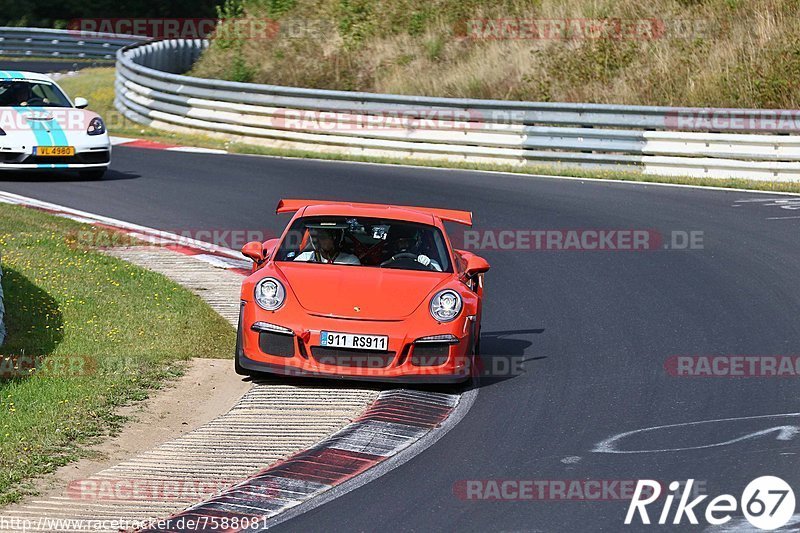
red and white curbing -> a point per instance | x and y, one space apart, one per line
218 256
394 422
156 145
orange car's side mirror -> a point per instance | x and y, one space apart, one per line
254 250
268 247
476 265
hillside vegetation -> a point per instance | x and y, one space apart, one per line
739 53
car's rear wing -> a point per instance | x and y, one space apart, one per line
450 215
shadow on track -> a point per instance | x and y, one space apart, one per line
502 358
37 176
502 355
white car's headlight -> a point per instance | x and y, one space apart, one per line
96 127
445 305
270 294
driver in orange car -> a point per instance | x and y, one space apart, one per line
406 240
326 248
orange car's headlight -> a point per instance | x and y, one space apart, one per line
269 294
446 305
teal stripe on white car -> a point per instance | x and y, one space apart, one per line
30 128
43 137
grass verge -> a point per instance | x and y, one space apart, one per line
98 86
102 332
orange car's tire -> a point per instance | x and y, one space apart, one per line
474 358
237 365
240 370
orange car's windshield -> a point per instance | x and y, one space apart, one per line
370 242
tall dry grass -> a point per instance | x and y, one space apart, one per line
744 53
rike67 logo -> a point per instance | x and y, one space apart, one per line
767 503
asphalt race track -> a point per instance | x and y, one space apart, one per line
593 330
49 66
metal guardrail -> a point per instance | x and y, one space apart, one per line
757 144
43 42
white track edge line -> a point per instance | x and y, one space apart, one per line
524 175
11 198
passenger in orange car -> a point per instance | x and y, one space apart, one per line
326 248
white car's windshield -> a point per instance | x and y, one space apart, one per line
372 242
31 93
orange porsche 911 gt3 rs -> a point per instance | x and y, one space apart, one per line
362 291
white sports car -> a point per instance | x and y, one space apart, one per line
42 129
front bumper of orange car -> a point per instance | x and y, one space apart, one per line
291 346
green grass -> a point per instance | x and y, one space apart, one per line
98 86
130 329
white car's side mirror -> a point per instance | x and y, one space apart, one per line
81 102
